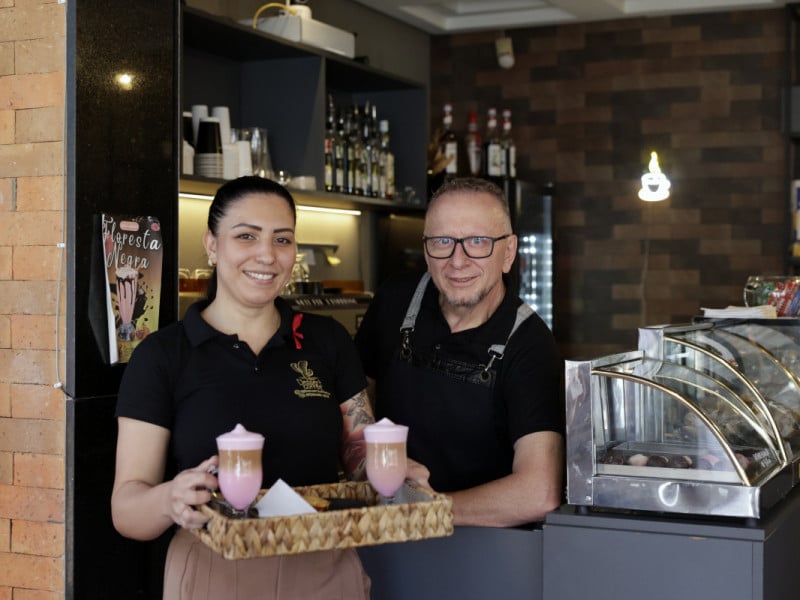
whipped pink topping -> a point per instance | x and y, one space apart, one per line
385 431
240 439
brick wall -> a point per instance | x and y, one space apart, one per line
589 102
32 46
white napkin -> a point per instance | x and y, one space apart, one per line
766 311
282 501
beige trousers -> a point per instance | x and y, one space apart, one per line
195 572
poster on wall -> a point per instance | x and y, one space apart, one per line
126 283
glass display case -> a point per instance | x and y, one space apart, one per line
779 337
651 434
756 360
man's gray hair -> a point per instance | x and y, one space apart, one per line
473 185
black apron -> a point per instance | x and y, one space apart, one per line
449 408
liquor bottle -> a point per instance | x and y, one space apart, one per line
448 142
509 149
372 147
376 154
330 138
473 144
341 154
492 150
386 183
356 152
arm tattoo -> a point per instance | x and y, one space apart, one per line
357 408
356 414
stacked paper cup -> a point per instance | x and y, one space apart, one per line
199 111
208 149
230 154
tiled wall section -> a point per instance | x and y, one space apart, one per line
589 103
32 46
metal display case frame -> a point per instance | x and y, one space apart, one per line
757 358
621 388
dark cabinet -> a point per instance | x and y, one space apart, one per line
270 82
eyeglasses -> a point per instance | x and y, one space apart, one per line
476 246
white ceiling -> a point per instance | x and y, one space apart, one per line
443 16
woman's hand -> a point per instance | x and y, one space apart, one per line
417 473
191 488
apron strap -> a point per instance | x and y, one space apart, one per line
496 351
411 316
416 302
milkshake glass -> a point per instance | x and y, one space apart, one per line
127 282
240 472
386 456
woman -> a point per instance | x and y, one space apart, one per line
243 356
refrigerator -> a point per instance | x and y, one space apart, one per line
531 207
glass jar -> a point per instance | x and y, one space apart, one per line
780 291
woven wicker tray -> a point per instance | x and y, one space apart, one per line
429 516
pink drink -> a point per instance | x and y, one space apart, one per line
386 466
240 477
386 456
240 472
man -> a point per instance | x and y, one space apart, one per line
472 371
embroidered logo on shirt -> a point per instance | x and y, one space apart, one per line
311 386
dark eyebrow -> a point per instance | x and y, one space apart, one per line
258 228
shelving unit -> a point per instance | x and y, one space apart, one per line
267 81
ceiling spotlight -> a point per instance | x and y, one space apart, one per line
505 52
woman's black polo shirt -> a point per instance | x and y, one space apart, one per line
199 383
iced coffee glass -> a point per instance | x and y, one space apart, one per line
386 457
239 473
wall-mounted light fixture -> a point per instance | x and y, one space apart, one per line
124 80
655 188
328 251
505 52
319 209
655 185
